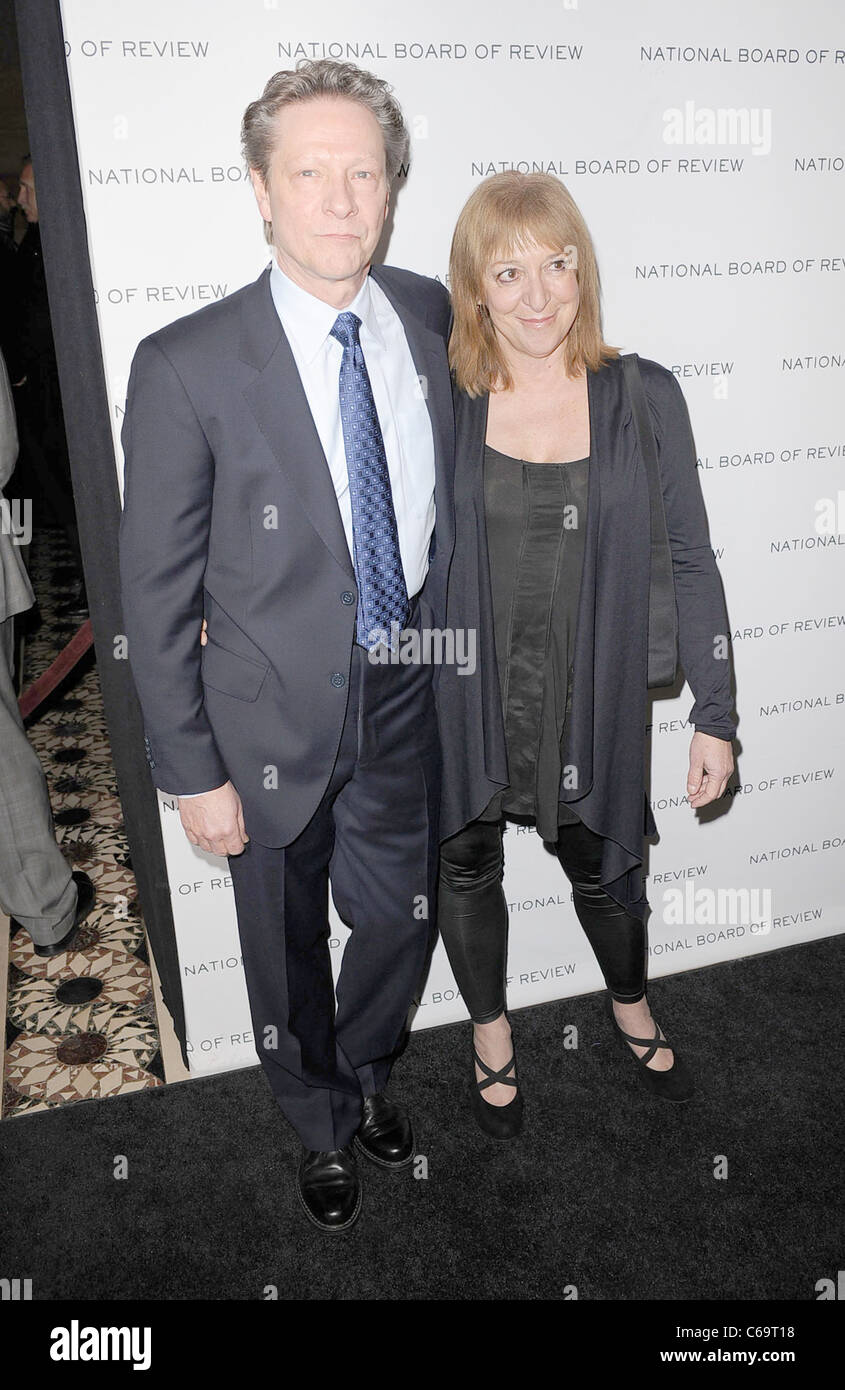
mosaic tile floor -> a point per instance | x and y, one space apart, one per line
81 1025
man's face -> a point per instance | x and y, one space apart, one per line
26 194
326 194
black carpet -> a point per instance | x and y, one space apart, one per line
608 1189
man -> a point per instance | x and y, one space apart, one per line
289 458
35 376
9 286
38 889
7 216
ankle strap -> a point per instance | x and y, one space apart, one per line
495 1076
651 1043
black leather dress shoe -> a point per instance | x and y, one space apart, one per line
86 896
75 606
385 1133
329 1188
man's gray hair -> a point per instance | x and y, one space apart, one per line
321 77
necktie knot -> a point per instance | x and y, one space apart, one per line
345 329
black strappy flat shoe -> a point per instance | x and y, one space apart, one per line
676 1084
497 1121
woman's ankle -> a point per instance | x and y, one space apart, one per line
496 1027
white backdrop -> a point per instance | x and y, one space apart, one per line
705 146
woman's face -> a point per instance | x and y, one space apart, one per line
532 298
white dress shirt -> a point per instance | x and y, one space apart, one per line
397 392
400 402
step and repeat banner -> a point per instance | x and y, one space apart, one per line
706 148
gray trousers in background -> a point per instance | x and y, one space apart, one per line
36 886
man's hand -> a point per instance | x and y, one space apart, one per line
214 821
711 762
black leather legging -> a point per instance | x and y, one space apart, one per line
473 916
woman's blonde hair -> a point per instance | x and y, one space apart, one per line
506 213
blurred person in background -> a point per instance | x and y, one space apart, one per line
7 216
44 471
38 889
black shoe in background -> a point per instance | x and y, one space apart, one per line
86 896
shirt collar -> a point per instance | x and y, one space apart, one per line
309 320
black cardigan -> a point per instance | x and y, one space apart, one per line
605 734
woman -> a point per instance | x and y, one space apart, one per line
552 567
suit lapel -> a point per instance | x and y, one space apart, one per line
471 434
429 354
278 401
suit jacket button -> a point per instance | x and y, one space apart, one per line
338 678
347 596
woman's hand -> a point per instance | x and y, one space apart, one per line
203 638
711 762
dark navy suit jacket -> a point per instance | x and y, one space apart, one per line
230 514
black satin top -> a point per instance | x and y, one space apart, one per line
536 518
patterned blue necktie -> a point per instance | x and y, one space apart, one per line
382 594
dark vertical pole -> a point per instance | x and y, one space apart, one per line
52 143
